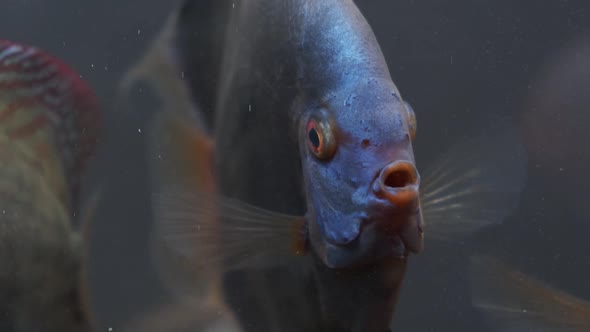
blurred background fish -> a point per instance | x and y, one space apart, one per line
49 124
515 302
554 126
473 185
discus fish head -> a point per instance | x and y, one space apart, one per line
360 176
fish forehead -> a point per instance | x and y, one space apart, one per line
371 110
338 42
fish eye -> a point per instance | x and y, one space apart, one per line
320 138
411 120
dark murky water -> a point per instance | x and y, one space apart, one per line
456 62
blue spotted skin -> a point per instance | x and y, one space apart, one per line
258 69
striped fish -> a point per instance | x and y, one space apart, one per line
43 102
49 126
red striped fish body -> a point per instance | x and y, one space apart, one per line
44 102
49 121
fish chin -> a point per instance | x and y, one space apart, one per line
375 243
412 233
370 247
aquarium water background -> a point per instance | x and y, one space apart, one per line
461 64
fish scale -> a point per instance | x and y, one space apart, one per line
43 101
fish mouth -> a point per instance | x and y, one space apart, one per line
375 243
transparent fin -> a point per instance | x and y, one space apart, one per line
159 69
476 184
514 302
184 316
224 231
203 227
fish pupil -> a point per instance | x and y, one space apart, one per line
314 138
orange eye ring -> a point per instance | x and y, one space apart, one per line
320 138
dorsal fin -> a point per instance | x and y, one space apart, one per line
199 45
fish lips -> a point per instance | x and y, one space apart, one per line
374 243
